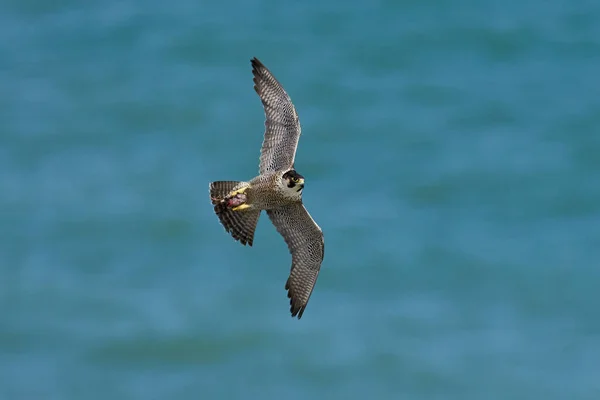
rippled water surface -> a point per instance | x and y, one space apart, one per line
452 157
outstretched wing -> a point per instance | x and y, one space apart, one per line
282 124
305 242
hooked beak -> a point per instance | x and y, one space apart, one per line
301 182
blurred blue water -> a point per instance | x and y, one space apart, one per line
451 155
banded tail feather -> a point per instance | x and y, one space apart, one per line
240 224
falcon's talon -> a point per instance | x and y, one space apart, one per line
241 207
239 191
277 190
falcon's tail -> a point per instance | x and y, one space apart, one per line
240 224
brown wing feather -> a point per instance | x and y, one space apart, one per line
281 121
307 247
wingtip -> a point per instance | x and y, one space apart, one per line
258 68
258 71
298 312
255 62
295 309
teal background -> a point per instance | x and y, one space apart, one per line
452 157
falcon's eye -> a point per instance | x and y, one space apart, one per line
295 180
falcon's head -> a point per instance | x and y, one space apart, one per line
293 182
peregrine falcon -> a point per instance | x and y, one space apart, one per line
277 190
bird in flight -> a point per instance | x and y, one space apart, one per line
277 190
